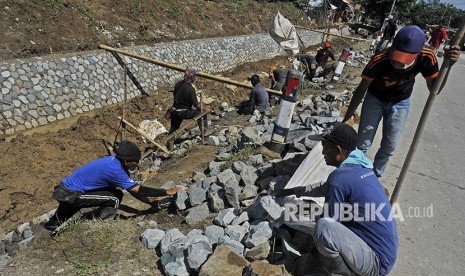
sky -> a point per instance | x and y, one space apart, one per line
459 4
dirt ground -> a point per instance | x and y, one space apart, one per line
35 161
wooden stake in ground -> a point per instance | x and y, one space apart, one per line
123 135
202 132
163 148
445 68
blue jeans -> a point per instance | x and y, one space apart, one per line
333 240
394 115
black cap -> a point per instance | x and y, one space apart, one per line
340 134
127 150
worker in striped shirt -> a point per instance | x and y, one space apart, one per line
389 78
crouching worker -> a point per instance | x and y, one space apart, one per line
98 184
185 105
358 234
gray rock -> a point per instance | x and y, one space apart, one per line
232 192
235 232
238 166
181 199
197 254
256 211
197 214
224 156
248 175
152 237
259 233
226 176
4 260
243 217
215 167
248 192
213 140
177 268
251 134
216 199
214 233
273 209
197 196
235 246
255 160
225 217
22 245
207 182
259 252
172 236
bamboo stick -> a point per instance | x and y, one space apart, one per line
325 32
183 69
163 148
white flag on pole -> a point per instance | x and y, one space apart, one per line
284 33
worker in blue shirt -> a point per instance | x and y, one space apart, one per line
363 241
99 184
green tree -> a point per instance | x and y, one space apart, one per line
432 12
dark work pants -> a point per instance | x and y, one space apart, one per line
108 199
178 116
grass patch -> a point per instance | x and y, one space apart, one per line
241 156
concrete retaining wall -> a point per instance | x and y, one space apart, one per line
41 90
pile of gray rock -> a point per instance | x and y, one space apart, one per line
239 196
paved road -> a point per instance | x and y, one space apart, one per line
435 184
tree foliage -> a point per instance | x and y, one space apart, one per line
432 12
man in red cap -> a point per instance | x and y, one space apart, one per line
322 57
389 78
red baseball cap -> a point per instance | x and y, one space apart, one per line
407 44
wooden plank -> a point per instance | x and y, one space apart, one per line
187 126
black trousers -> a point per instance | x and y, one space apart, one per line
107 199
178 116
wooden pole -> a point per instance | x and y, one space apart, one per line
183 69
125 99
324 32
163 148
445 68
202 131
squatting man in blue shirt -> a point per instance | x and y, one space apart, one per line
350 246
96 184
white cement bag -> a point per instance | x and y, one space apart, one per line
284 33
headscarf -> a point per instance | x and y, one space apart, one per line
189 75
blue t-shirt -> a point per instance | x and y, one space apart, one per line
359 186
104 173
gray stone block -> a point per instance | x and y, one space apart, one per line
235 246
197 214
214 233
197 254
151 237
225 217
258 233
197 196
172 236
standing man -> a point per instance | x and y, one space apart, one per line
99 184
439 34
258 98
362 241
186 105
388 33
389 78
322 57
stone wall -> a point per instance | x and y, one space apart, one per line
41 90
